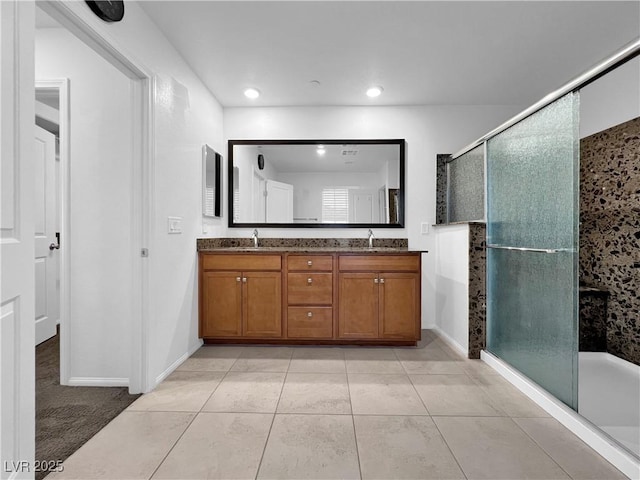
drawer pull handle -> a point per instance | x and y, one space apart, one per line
309 281
382 280
237 279
309 262
375 280
309 314
244 279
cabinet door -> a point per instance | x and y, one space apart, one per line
399 305
262 304
358 310
221 304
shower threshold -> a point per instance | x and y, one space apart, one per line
609 396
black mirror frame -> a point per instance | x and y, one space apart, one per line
401 196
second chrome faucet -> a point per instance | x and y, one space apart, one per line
255 238
371 236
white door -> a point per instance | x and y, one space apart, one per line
46 253
363 207
279 202
17 391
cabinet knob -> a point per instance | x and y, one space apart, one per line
382 280
237 279
309 314
309 262
244 279
375 280
309 281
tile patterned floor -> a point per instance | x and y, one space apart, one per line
250 412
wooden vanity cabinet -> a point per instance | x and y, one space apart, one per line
379 297
240 296
310 296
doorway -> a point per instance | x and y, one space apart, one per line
94 202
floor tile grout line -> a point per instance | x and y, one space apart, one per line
273 419
419 396
539 446
215 389
266 441
195 415
353 423
400 362
449 448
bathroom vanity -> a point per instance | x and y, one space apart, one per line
309 295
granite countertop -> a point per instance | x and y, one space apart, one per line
304 245
308 249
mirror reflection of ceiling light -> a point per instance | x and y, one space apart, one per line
374 91
252 93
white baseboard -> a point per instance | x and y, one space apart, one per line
98 382
169 370
451 342
581 427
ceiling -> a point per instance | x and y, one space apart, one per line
421 52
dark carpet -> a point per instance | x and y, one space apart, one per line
66 417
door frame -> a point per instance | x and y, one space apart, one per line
62 87
75 18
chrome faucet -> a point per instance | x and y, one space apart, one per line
255 238
370 238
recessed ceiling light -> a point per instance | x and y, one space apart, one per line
374 91
252 93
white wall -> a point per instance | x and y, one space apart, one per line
101 191
429 130
186 116
611 100
452 283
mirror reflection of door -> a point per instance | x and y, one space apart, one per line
363 207
279 202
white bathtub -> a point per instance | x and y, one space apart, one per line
609 396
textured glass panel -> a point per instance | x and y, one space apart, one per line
532 313
466 184
532 299
533 177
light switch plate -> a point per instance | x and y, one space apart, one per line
424 228
174 224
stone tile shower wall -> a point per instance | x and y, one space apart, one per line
610 230
477 289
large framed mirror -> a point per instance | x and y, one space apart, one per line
316 183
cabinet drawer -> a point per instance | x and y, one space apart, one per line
240 262
310 322
310 288
379 263
323 263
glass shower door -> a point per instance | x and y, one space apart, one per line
532 240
